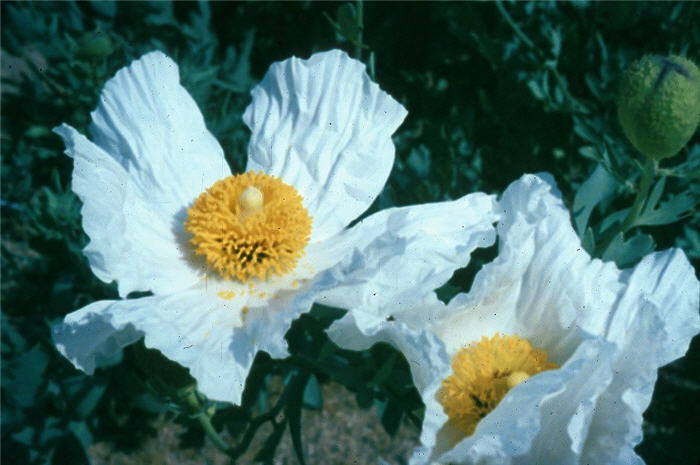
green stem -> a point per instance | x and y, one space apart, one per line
258 421
205 420
360 28
645 182
518 32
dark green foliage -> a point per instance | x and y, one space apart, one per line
492 90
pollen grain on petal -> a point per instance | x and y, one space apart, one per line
249 225
483 373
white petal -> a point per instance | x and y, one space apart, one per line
426 356
652 323
663 283
616 426
399 256
566 417
130 240
542 284
152 156
151 125
324 127
191 328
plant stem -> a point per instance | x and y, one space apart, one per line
518 32
205 420
645 182
258 421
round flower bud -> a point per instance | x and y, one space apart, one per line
659 104
95 45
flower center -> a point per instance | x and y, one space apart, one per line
483 373
249 225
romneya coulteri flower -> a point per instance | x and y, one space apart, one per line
232 259
552 356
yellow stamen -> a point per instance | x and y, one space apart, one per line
249 225
484 373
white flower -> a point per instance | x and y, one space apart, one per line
232 260
595 334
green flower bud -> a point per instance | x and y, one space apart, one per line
659 104
95 45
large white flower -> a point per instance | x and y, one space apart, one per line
554 355
231 260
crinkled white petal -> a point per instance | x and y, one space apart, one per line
190 327
426 356
151 158
542 285
566 417
399 256
616 424
214 329
653 322
324 127
663 283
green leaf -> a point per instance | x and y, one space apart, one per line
446 292
674 209
391 415
292 409
36 131
346 17
598 187
419 161
69 452
313 395
89 399
52 429
385 370
588 240
82 432
24 436
690 242
256 381
612 219
25 373
364 396
12 340
655 195
326 315
629 252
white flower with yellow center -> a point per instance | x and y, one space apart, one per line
552 356
231 260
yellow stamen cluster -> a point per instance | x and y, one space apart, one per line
483 373
249 225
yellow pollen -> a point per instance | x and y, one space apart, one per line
484 372
226 295
249 225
